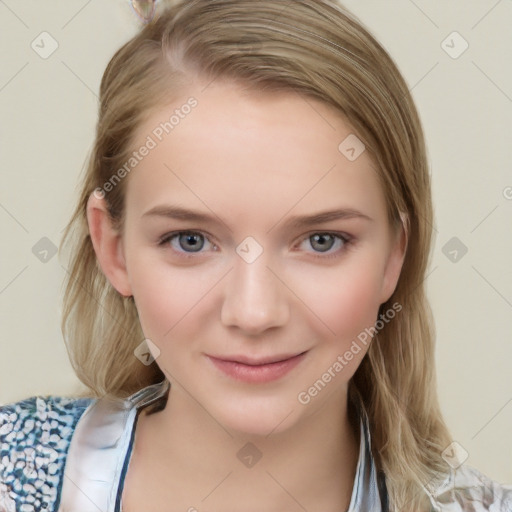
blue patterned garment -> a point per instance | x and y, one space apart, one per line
34 438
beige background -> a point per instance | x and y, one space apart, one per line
48 110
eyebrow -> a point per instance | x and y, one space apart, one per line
295 222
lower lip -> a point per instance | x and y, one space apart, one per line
257 373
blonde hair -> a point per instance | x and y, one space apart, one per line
316 48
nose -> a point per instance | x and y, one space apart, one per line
255 299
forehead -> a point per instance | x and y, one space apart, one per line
244 154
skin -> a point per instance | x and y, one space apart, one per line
252 161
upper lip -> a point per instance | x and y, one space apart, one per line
257 361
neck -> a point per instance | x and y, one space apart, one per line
312 463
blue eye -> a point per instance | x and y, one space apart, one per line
185 241
324 242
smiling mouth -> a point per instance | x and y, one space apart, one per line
258 362
257 370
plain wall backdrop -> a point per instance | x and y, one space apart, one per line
456 57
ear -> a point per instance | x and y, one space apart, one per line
107 244
396 258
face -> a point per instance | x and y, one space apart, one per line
232 258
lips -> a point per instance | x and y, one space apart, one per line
256 361
257 370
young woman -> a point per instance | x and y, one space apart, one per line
245 301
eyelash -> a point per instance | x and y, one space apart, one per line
346 239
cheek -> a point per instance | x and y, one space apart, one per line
346 299
351 313
354 306
166 298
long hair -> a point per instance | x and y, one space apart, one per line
319 49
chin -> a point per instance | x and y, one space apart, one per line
258 421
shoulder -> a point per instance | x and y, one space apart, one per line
34 438
468 489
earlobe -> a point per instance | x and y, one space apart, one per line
107 244
395 260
